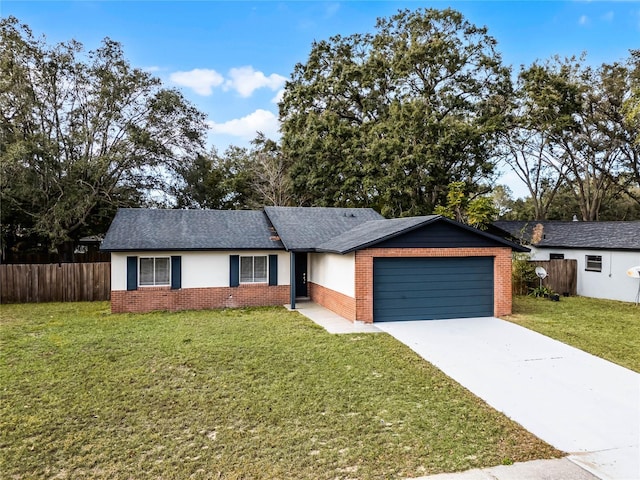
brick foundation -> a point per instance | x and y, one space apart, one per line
337 302
501 273
163 298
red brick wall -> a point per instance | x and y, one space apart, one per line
337 302
149 299
501 273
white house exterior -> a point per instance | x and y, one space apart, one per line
604 251
609 281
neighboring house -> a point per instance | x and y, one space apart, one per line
352 261
604 252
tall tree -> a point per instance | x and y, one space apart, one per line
543 106
82 133
390 119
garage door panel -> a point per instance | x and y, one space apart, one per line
406 284
452 301
442 291
432 288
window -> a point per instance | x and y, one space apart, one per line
556 256
593 263
155 271
253 269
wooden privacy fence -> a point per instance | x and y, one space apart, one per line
65 282
562 275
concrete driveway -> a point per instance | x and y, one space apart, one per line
577 402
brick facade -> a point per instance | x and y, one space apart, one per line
337 302
501 273
149 299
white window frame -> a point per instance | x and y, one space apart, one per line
155 282
253 269
592 259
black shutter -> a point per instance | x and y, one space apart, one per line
273 270
132 273
176 272
234 270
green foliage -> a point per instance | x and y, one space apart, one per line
82 134
389 119
477 212
523 273
541 291
239 178
250 393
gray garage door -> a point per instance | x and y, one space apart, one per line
432 288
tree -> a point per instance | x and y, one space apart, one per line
477 211
544 105
82 133
389 119
236 179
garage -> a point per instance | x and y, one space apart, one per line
431 288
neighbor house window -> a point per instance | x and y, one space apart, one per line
556 256
594 263
253 269
155 271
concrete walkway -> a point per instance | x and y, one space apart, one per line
575 401
332 322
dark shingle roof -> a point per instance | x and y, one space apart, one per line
305 228
371 232
151 229
591 235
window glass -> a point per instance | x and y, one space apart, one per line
246 269
594 263
556 256
146 271
162 271
259 269
253 269
155 271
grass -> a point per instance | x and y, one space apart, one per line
235 394
605 328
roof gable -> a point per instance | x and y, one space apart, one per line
157 229
306 228
588 235
432 231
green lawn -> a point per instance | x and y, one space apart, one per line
605 328
236 394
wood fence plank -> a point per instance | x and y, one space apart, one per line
68 282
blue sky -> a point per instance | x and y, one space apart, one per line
231 58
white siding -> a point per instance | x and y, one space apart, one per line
199 269
612 282
334 271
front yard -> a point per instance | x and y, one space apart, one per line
605 328
257 393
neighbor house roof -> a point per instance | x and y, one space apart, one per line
588 235
306 228
155 229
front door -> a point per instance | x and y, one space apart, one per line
301 274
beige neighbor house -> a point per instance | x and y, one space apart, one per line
350 260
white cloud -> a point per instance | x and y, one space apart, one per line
246 127
245 80
278 98
151 69
331 9
584 20
201 80
608 17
